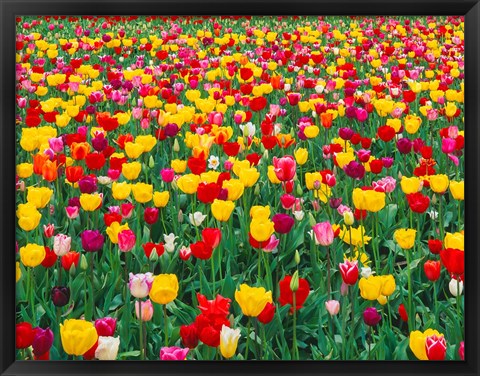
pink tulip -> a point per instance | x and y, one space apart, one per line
72 211
147 310
126 240
61 244
332 306
140 284
323 233
167 175
284 167
173 353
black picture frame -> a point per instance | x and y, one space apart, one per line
8 11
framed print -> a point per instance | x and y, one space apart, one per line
277 185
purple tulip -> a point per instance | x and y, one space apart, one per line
283 223
350 112
74 201
100 142
387 162
404 145
42 341
60 296
87 184
371 317
92 240
354 170
171 130
346 133
335 202
418 144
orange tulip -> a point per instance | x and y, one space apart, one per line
38 162
79 150
49 170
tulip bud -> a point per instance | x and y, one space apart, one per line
297 257
299 190
256 192
174 185
153 257
455 287
72 270
180 216
311 219
176 146
151 162
348 218
294 283
344 289
83 263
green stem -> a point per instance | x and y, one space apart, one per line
140 323
410 305
248 338
294 346
165 322
213 275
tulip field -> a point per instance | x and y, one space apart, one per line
239 188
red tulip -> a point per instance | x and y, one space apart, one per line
71 258
435 246
436 347
349 272
24 335
286 294
219 306
386 133
267 314
149 247
197 165
189 335
432 269
403 312
212 237
74 173
50 258
418 203
258 103
201 250
454 260
208 192
150 215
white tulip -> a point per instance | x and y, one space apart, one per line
107 348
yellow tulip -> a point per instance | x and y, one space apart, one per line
261 229
28 216
142 192
252 300
301 156
439 183
371 200
147 141
78 336
114 229
39 196
188 183
134 150
32 254
131 170
272 176
222 210
405 237
90 202
412 123
24 170
371 287
457 189
410 185
164 288
120 191
160 199
258 211
18 272
455 241
357 234
388 285
234 187
311 131
249 176
417 342
228 341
